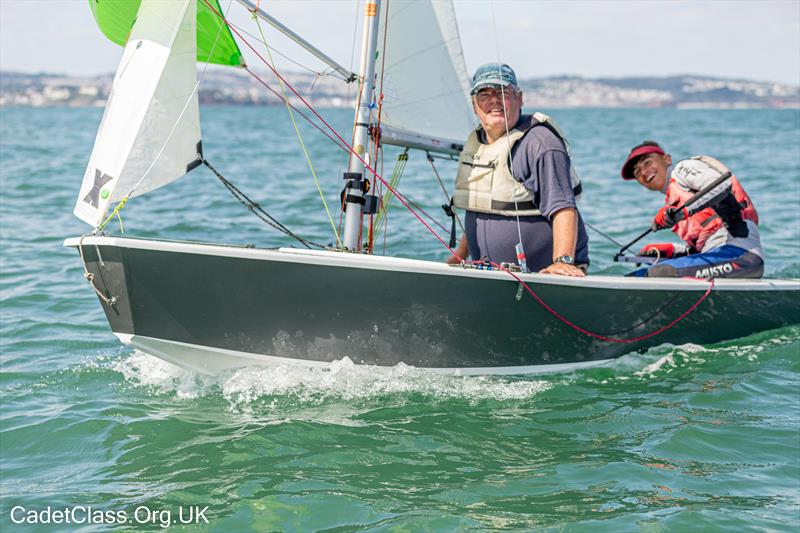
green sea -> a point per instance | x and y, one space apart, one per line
95 436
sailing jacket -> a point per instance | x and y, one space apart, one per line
732 221
485 182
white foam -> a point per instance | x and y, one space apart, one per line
148 371
341 380
344 380
649 370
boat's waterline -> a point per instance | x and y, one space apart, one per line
213 361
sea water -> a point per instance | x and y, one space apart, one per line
680 438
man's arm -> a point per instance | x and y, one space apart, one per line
462 250
565 236
544 169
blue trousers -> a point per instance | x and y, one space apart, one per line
724 262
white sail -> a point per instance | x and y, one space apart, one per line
425 83
150 131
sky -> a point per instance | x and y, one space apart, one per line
758 40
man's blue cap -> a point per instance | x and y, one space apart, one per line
493 75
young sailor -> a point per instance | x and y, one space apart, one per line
721 240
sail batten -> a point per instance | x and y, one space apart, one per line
150 131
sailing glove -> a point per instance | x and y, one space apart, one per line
668 216
665 250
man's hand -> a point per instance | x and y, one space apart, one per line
453 260
668 216
563 269
461 251
661 249
565 235
665 218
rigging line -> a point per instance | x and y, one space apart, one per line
414 103
355 120
90 277
172 131
603 234
386 214
380 101
386 199
383 71
379 194
603 337
447 197
374 219
302 143
394 179
505 116
349 148
324 72
649 318
421 210
255 208
248 202
286 101
353 45
394 183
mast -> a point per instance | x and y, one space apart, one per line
354 194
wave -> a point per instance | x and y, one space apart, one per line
341 380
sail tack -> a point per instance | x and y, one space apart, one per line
426 85
150 131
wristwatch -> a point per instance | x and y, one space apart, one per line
566 259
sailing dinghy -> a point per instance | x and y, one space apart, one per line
211 307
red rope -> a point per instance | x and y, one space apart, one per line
348 147
380 105
597 335
284 100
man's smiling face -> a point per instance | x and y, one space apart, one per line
494 105
651 170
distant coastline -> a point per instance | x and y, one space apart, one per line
231 87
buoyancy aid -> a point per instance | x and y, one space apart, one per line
731 212
485 182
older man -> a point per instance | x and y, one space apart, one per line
516 183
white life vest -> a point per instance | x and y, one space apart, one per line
734 212
485 182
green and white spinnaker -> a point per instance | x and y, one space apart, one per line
215 44
150 131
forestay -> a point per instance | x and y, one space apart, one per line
425 84
150 131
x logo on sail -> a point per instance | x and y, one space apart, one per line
100 179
